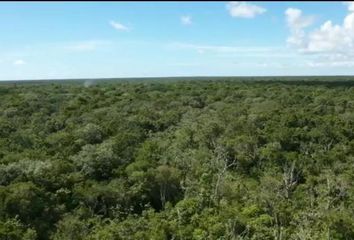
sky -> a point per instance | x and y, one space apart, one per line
56 40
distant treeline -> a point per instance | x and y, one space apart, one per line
340 80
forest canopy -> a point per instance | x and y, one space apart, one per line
187 159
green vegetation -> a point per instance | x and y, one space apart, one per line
179 159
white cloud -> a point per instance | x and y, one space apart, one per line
186 20
297 22
350 6
19 62
244 9
118 26
328 39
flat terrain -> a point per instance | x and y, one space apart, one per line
177 158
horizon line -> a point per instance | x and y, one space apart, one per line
166 77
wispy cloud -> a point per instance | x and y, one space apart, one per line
19 62
244 9
85 46
348 64
231 52
186 20
223 48
119 26
330 60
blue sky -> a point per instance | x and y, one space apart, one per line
145 39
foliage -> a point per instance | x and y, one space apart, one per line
177 159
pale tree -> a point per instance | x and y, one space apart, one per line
222 163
